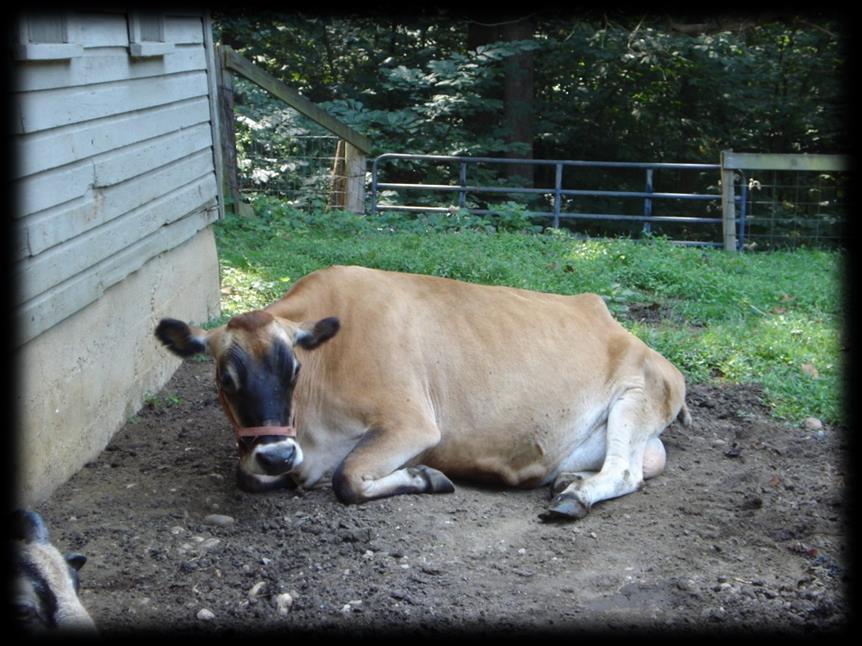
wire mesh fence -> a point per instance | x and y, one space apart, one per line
281 152
792 208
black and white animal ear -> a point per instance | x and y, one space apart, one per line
312 336
181 338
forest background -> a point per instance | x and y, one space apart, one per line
545 85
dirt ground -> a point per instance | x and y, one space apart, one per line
743 532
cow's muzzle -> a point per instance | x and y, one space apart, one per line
268 463
275 458
267 453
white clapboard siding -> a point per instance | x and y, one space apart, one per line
38 274
58 147
35 316
54 187
54 108
103 205
116 162
105 66
184 30
151 154
41 231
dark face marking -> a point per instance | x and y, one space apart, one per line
40 608
259 389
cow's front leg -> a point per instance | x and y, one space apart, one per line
375 467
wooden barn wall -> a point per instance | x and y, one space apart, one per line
114 163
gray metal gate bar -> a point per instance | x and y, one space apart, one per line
648 200
557 191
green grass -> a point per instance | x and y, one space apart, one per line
771 318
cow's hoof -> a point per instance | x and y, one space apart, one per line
563 481
437 482
566 506
260 484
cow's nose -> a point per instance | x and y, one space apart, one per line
276 458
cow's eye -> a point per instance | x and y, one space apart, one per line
227 382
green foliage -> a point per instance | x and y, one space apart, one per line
650 93
603 89
169 400
772 318
512 216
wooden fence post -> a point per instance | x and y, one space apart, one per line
338 184
728 205
228 136
354 170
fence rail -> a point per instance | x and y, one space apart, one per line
648 195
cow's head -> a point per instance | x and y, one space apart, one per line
256 372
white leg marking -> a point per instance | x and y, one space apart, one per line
400 479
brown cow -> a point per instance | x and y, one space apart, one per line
406 378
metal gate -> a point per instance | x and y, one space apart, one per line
557 214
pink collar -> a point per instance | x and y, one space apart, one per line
253 431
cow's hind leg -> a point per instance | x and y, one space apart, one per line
375 467
567 478
633 426
653 464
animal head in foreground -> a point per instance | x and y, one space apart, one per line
45 582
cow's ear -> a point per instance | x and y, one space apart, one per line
181 338
311 336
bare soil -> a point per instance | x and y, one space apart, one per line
744 531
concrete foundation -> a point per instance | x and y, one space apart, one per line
81 380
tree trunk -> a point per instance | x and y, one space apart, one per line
518 99
517 90
479 33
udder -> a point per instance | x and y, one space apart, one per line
655 458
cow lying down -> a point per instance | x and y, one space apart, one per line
44 581
409 380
